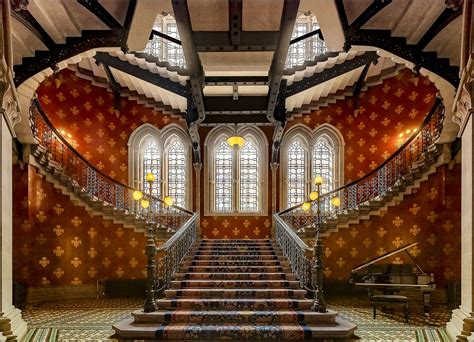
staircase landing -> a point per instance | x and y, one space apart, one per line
235 289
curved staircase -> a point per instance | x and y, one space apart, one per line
234 289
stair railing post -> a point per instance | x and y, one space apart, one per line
150 250
319 304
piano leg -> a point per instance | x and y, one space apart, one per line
426 302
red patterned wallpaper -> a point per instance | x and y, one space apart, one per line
398 104
87 113
431 217
57 242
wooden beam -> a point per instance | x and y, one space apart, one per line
227 119
327 74
238 80
444 19
235 21
361 81
243 105
27 19
208 41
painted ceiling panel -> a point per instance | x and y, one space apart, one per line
261 15
209 15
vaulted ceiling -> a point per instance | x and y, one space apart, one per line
235 52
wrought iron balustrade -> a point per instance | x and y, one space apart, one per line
305 48
166 49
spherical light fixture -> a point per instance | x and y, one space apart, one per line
306 206
168 201
335 201
318 180
145 203
236 141
137 195
150 177
313 196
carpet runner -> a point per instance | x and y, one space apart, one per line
234 289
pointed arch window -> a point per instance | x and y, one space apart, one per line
166 154
306 154
236 177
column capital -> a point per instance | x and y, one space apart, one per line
464 98
274 166
10 106
197 166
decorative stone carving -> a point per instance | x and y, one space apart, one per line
8 98
463 107
453 4
19 5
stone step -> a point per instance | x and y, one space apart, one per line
218 253
235 293
236 276
235 304
235 257
229 284
235 269
235 263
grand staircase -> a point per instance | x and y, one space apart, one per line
234 289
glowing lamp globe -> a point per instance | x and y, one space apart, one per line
137 195
335 201
236 141
168 201
318 180
150 177
145 203
306 206
313 196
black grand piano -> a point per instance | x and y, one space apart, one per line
390 279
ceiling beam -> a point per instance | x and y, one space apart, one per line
209 41
398 46
235 80
361 81
27 19
444 19
235 21
374 8
101 13
228 119
327 74
243 105
144 74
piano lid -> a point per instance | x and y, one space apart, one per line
386 255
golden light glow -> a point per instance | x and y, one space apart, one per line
150 177
335 201
313 196
306 206
414 130
168 201
145 203
236 141
137 195
401 135
408 131
318 180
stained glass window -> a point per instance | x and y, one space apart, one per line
249 177
177 173
151 163
296 174
223 177
323 163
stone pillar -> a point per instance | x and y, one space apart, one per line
197 189
12 325
461 325
274 168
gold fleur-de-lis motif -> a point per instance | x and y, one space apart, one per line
350 150
381 251
328 119
246 223
360 174
361 142
386 105
106 262
76 242
397 261
165 119
45 99
76 281
92 232
385 155
87 105
350 119
447 249
327 272
372 165
111 126
397 242
87 89
74 93
381 232
448 273
256 231
58 251
41 216
119 252
58 209
447 226
106 223
413 113
267 223
415 209
413 95
100 132
236 231
340 262
145 119
215 231
428 98
432 262
41 239
76 221
399 109
432 239
26 226
397 222
76 262
361 158
106 242
58 273
414 230
399 126
354 252
432 217
133 242
414 251
354 232
350 135
307 119
327 252
25 250
386 88
43 262
133 262
41 194
87 155
339 111
349 167
100 117
373 116
92 272
205 223
119 232
399 92
60 97
119 272
44 281
433 193
226 223
367 242
340 242
92 252
60 114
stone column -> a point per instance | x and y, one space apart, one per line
274 168
197 189
12 325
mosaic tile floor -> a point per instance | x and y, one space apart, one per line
91 320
